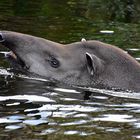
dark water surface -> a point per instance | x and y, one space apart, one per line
35 109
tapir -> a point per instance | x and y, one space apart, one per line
84 63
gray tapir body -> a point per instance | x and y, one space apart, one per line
85 63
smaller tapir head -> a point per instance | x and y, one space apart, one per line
82 63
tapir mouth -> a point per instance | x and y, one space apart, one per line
16 62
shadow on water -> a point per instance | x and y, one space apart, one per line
35 108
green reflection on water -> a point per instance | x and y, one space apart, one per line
70 20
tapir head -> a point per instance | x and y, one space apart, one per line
67 63
81 63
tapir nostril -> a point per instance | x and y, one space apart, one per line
1 37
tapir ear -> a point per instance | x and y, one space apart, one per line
94 64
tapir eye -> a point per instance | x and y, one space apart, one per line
54 62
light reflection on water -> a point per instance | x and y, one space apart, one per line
53 112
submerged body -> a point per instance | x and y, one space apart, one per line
85 63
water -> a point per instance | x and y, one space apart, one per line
35 108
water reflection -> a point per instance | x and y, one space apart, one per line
61 112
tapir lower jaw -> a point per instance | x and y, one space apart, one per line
16 62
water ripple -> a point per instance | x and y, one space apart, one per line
115 118
31 98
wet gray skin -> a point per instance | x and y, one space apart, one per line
85 63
